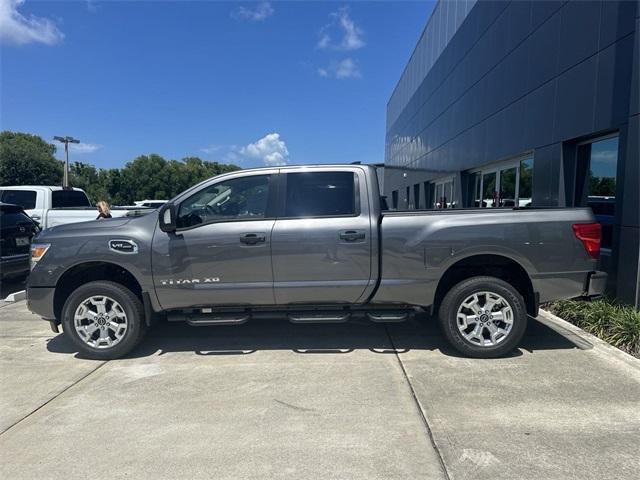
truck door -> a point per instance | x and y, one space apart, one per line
220 253
321 241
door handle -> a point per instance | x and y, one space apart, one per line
252 238
352 235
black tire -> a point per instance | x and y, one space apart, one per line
454 299
130 303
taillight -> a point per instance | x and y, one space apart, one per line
590 235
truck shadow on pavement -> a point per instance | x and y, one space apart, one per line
420 333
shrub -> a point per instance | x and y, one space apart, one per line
616 324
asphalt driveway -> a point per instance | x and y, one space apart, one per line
270 399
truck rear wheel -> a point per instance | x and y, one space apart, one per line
483 317
104 320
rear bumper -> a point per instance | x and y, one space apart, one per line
558 286
14 265
40 301
596 283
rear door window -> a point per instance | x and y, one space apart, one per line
25 198
320 194
69 199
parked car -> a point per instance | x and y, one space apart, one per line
313 244
52 205
16 232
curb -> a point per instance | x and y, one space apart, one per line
580 338
16 296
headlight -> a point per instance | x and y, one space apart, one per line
37 252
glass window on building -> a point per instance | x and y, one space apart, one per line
428 194
596 182
444 193
506 184
416 196
525 185
489 189
394 199
476 186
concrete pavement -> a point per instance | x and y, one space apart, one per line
273 400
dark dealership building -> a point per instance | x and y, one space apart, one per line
524 103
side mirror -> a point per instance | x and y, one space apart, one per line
167 217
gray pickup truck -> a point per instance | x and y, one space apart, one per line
311 243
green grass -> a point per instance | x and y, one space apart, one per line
616 324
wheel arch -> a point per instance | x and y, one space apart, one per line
86 272
493 265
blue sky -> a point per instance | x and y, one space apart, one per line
250 82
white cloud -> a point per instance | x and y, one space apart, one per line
92 6
212 149
20 29
606 156
270 149
258 13
346 68
82 148
341 33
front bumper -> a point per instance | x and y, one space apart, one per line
40 301
596 284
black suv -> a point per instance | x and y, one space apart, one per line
16 231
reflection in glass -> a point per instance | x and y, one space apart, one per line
602 171
242 198
477 180
448 195
438 196
601 184
508 187
444 194
489 193
525 188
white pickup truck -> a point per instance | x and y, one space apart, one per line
55 205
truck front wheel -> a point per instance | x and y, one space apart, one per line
104 320
483 317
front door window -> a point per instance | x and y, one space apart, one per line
242 198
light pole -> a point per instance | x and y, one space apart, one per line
66 141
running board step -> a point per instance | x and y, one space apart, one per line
318 317
205 320
387 317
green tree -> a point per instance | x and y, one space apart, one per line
153 177
28 160
91 180
602 186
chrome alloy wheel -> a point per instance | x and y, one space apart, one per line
485 319
100 321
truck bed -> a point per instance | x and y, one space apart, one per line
419 246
